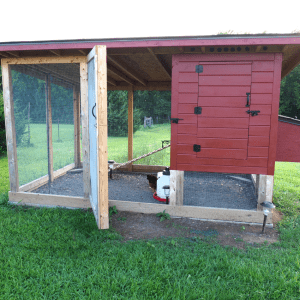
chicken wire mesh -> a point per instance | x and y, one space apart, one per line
31 91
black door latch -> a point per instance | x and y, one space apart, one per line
175 120
253 112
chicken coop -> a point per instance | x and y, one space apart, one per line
220 131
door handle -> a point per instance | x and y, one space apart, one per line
248 99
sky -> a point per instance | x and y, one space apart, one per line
34 20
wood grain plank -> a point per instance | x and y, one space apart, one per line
186 98
237 123
262 76
258 152
223 143
188 87
221 132
263 120
264 109
222 101
186 139
259 130
259 66
182 128
186 118
10 130
259 141
260 99
226 80
262 88
222 169
191 77
223 91
222 153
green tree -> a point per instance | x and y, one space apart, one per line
290 94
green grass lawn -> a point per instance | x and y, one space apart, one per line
33 161
60 254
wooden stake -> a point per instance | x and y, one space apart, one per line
101 101
49 128
265 190
10 129
85 130
76 111
130 126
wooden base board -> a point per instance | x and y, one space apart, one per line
28 187
204 213
143 168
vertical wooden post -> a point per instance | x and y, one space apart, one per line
10 129
85 130
76 110
176 187
102 137
49 127
265 189
130 126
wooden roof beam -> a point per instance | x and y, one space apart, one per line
115 71
56 52
111 81
15 54
84 52
3 54
294 61
161 61
127 70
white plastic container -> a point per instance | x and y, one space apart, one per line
163 178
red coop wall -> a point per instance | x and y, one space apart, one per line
227 111
288 141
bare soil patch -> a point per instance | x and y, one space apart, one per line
135 226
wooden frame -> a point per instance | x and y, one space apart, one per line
9 115
130 127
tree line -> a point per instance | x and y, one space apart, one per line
153 104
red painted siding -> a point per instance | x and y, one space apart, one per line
231 140
288 141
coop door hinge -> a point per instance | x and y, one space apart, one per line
199 69
196 148
175 120
253 112
198 110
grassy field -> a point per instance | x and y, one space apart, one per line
33 161
60 254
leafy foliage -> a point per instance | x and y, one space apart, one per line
290 94
163 216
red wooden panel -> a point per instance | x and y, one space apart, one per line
222 169
225 69
274 116
262 88
261 98
288 142
191 129
264 109
225 80
187 98
222 143
221 132
249 162
224 101
188 77
222 153
223 112
186 139
260 120
185 149
187 66
262 76
258 151
187 119
223 91
188 88
259 141
186 159
259 130
223 122
262 66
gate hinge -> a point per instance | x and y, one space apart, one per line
199 69
198 110
196 148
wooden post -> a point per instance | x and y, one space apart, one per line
130 126
49 127
101 77
265 189
85 130
176 187
10 129
76 110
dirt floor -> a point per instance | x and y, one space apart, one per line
133 226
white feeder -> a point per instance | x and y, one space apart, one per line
163 178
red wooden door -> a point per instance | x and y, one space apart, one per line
222 93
